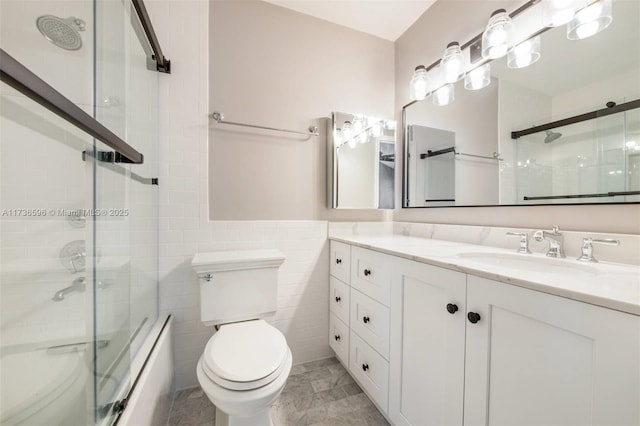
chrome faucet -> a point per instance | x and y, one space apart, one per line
524 241
79 285
555 238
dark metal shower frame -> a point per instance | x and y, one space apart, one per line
16 75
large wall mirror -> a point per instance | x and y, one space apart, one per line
565 129
361 162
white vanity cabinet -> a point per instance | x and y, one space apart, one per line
459 349
535 358
339 299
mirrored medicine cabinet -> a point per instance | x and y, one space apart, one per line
563 130
361 154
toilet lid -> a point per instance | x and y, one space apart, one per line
245 352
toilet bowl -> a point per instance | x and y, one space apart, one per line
246 363
243 370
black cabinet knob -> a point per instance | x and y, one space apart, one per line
338 261
473 317
366 319
338 299
451 308
367 272
365 367
337 337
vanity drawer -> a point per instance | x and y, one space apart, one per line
370 320
339 338
371 371
340 261
339 299
371 273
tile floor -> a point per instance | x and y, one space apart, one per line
317 393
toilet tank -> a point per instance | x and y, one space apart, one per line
237 285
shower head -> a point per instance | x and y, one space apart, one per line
552 136
64 33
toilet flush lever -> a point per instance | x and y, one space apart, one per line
206 277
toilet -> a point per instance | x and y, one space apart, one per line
246 363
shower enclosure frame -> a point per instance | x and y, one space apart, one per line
16 75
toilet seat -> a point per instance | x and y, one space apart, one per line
245 355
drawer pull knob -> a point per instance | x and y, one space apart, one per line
452 308
338 261
338 299
367 272
337 337
473 317
365 367
366 319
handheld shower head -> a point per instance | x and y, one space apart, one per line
552 136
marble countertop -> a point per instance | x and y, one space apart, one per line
612 285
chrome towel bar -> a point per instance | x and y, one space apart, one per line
219 118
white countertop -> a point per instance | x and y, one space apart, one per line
612 285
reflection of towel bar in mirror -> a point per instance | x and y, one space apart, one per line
219 118
604 194
430 153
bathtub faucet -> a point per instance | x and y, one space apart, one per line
79 285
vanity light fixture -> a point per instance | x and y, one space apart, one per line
590 20
524 54
444 95
452 63
347 131
357 125
558 12
496 37
478 78
338 139
419 85
376 129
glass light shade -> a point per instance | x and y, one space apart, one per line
376 130
497 35
390 124
444 95
478 78
590 20
524 54
363 137
338 138
558 12
352 143
452 63
419 86
347 131
357 125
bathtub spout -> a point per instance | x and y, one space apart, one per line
79 285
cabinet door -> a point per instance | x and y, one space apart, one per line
537 359
427 345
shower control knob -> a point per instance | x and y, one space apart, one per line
337 337
452 308
366 319
338 299
473 317
338 261
367 272
365 367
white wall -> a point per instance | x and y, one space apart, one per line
423 43
279 68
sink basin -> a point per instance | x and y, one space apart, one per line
530 263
